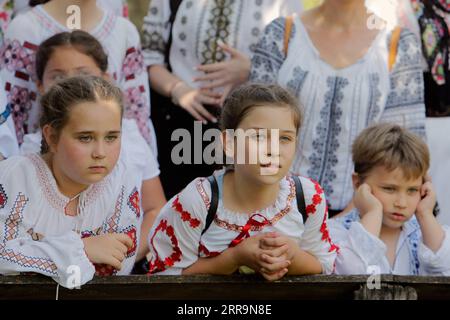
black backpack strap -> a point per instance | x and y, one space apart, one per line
174 5
214 202
300 197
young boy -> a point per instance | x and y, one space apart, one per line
392 229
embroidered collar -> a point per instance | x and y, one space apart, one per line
50 189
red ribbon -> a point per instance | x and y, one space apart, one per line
245 229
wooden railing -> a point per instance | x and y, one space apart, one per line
227 288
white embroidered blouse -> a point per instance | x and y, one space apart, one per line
37 236
176 239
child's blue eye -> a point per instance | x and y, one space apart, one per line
388 189
285 138
414 190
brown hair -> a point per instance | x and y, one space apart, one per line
62 96
33 3
251 95
391 146
79 40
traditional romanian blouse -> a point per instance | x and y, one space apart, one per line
339 103
8 140
176 239
120 41
199 24
37 236
362 253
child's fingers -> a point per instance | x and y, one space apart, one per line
276 251
121 247
113 262
119 255
273 267
273 242
125 239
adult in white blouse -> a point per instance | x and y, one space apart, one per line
8 140
347 76
195 57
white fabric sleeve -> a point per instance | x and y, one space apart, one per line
53 256
316 239
139 153
175 236
358 249
31 143
156 29
8 140
436 263
135 85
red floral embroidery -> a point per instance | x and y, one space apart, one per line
133 64
326 234
131 232
206 252
185 215
158 265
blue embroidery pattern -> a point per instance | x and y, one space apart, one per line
324 158
297 81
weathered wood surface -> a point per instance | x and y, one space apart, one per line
228 288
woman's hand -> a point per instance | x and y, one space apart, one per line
227 74
193 101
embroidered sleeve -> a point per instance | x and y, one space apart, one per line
269 54
21 250
156 29
17 65
8 140
175 235
124 217
358 249
436 263
405 103
134 83
316 239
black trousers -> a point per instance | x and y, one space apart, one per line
166 118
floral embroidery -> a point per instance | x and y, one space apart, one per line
112 224
158 265
20 99
237 228
325 233
137 108
202 192
204 252
324 158
133 64
131 232
185 215
18 58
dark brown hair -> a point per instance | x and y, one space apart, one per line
393 147
251 95
78 39
33 3
62 96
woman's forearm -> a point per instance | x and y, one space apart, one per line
162 80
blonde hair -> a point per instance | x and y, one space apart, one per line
392 147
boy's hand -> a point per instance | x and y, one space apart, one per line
365 201
426 205
110 249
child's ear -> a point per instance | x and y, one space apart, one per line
49 134
356 180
